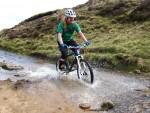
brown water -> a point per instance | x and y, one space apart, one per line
124 90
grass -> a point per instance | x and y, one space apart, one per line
122 46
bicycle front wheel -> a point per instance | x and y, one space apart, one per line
85 72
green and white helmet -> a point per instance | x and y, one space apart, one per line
70 13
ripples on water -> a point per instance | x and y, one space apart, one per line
106 84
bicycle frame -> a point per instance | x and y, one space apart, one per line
75 61
84 70
76 58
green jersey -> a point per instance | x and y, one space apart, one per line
68 31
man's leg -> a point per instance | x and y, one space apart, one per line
64 52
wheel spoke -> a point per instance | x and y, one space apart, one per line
85 72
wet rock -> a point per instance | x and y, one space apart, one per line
130 72
105 106
137 71
8 66
85 106
11 67
146 95
17 75
8 80
20 84
17 85
138 108
138 89
146 105
20 75
148 86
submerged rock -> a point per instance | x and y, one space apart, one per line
105 106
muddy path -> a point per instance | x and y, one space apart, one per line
21 98
42 87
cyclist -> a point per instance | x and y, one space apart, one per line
65 30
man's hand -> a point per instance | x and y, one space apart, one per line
87 42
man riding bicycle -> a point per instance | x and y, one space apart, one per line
65 30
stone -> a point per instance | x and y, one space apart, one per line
137 71
11 67
138 109
85 106
146 105
105 106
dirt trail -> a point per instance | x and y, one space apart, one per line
15 99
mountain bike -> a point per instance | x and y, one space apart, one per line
83 68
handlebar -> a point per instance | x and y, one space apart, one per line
77 47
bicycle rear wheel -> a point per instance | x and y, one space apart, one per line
62 67
85 72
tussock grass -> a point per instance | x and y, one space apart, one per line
116 44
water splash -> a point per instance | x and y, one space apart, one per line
43 72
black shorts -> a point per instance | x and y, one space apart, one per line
64 51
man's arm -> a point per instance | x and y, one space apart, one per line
60 38
82 36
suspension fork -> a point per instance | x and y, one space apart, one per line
78 58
